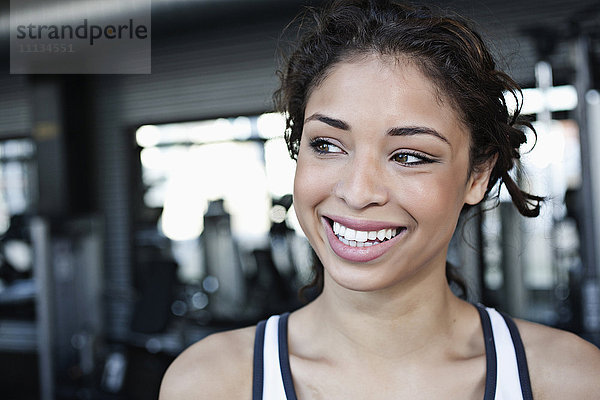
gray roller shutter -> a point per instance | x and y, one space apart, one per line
15 106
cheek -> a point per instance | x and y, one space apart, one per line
434 199
309 189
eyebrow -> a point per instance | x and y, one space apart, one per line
417 130
397 131
336 123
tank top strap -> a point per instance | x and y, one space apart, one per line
507 375
272 377
520 355
257 367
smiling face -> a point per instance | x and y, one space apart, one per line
382 174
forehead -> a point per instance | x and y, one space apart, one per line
391 90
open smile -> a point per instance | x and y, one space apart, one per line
358 238
360 241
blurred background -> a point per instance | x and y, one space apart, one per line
140 213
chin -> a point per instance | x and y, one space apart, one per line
363 278
382 274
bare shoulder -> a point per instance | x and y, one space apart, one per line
217 367
561 365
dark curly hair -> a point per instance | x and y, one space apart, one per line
445 49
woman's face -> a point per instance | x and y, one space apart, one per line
382 174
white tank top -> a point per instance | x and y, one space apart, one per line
507 376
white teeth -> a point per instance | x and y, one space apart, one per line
350 234
361 236
354 238
336 227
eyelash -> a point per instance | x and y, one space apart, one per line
316 143
422 158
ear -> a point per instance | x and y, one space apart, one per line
478 181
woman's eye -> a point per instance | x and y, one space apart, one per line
410 159
324 147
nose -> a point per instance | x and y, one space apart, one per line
362 184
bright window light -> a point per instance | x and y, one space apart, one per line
187 165
557 98
280 168
270 125
147 136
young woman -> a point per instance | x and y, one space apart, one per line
397 120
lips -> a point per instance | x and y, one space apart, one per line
360 241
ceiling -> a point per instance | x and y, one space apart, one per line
514 28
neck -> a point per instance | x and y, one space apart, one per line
396 321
